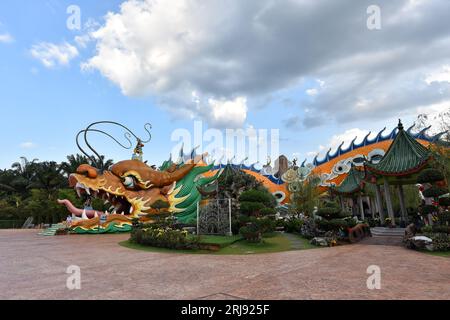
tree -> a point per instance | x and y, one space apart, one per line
305 195
101 164
332 217
6 179
441 156
232 182
74 161
48 177
24 172
253 202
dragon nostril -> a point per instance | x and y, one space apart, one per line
87 170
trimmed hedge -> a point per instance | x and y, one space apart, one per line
253 195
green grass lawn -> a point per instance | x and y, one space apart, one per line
275 242
437 253
131 245
222 241
269 244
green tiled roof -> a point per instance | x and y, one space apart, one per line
352 182
404 156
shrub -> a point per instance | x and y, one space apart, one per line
262 196
426 229
251 208
434 192
331 210
372 222
427 209
293 225
235 226
251 232
256 202
440 228
350 222
333 218
268 211
444 202
265 225
167 237
336 224
444 217
441 241
430 175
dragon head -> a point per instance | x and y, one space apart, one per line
130 186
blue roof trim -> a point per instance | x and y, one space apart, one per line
422 135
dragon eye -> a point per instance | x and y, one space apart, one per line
128 182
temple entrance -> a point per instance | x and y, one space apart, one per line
214 217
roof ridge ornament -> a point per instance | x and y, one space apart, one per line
400 125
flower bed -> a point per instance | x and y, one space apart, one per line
163 237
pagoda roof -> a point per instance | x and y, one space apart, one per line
351 183
404 157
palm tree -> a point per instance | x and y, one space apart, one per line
48 177
24 167
101 164
74 161
24 172
306 195
6 179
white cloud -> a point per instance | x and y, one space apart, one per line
231 113
437 116
169 48
83 40
312 92
336 140
6 38
28 145
51 55
440 75
347 137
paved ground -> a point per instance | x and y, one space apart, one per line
33 267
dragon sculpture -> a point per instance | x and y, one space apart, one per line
136 190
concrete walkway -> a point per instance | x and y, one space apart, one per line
34 267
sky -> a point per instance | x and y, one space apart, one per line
314 70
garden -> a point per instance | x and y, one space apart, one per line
257 224
432 231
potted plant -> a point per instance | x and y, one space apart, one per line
388 222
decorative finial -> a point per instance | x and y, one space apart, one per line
137 152
400 125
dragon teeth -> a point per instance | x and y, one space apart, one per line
131 210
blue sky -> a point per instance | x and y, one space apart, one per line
294 84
